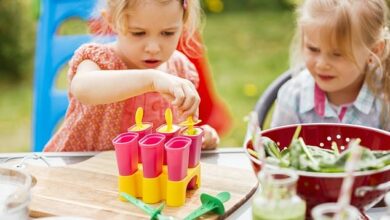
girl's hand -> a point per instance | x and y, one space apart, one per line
181 92
210 138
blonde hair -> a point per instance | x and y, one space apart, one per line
192 17
345 24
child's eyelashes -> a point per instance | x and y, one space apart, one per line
138 34
168 33
313 49
164 33
337 54
317 50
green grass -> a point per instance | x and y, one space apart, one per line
15 117
244 49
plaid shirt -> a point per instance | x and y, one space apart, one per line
300 100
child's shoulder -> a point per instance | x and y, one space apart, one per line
302 81
102 54
180 65
94 49
180 62
178 56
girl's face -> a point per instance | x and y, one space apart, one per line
153 33
333 71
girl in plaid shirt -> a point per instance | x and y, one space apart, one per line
344 46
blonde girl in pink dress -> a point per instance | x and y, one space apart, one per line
142 68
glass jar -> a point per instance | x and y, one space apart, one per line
14 194
387 201
328 211
276 197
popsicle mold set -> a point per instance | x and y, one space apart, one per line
159 165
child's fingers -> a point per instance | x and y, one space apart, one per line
193 111
191 101
179 95
209 143
196 115
211 138
168 97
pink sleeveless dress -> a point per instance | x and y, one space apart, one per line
92 127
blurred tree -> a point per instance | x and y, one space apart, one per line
16 44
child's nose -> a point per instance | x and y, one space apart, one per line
322 62
152 47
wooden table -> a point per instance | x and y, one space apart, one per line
233 157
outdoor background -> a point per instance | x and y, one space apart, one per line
247 44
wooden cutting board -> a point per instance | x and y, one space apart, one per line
89 189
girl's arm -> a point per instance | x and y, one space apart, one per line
93 86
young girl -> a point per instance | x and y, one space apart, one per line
140 69
345 49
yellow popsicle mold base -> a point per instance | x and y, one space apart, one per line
124 183
154 190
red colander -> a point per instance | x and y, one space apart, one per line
369 186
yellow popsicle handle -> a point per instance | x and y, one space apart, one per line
190 129
168 119
190 125
190 122
139 114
